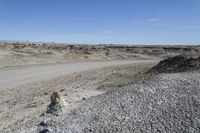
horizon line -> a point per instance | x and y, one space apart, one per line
74 43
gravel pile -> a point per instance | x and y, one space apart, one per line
163 103
177 64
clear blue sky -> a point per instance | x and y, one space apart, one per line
101 21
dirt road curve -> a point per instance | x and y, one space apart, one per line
13 77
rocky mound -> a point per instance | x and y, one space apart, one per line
165 103
177 64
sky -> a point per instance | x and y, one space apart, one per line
101 21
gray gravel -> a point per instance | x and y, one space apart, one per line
163 103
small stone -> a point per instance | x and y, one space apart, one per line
43 114
44 131
43 124
62 90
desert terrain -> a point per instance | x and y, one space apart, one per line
49 87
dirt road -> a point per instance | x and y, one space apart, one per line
13 77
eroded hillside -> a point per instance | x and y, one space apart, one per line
27 53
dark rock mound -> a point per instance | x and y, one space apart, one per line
177 64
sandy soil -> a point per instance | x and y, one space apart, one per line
29 53
16 76
23 55
22 107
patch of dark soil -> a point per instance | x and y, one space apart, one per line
177 64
